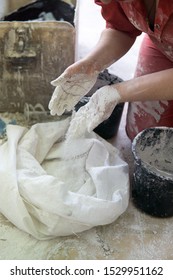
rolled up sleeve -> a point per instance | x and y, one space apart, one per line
116 19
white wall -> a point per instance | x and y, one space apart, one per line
3 7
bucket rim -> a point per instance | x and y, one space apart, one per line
139 161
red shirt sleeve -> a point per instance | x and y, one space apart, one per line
116 19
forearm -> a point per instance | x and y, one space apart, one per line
155 86
111 46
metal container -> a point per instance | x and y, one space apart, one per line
31 55
152 184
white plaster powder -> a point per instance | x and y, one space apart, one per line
98 109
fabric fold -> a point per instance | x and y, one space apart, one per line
50 187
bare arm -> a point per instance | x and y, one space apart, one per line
111 46
155 86
80 77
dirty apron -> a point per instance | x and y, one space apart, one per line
146 114
156 54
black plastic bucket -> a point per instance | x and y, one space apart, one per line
152 183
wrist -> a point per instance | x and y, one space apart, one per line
119 89
83 66
106 94
90 66
113 92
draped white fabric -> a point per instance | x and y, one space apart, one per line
50 188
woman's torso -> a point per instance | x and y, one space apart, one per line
162 32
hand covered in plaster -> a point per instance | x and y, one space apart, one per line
70 88
98 109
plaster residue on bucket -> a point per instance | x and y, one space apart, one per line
156 151
153 108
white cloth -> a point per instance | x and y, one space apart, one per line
50 188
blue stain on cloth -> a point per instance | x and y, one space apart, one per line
3 126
